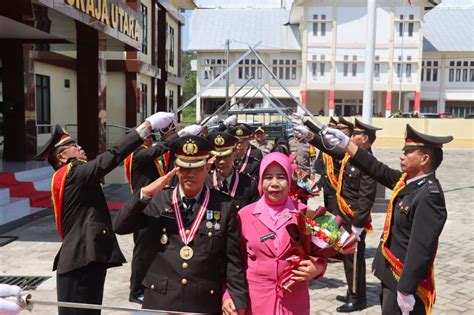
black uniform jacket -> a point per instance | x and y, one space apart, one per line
87 227
358 188
256 153
252 168
419 215
197 286
247 191
144 170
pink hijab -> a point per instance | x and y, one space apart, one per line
275 210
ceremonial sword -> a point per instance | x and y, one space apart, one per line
26 301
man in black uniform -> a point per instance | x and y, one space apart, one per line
415 218
197 235
247 157
355 196
225 177
143 166
89 246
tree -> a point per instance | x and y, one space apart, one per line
189 89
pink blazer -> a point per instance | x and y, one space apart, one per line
264 263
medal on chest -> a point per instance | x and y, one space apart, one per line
186 252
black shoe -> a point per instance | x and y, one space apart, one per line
351 307
137 298
341 298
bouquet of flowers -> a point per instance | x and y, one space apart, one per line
302 187
317 235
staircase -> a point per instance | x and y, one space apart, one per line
24 193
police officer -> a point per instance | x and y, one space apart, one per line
415 218
89 246
260 141
247 157
355 195
299 146
225 177
197 236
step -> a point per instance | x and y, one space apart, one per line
34 174
43 185
4 196
16 209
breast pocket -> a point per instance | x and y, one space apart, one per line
102 237
402 214
210 240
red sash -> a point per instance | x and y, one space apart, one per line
128 162
426 290
57 194
341 202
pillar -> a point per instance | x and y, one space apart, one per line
331 102
388 104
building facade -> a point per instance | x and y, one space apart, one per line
95 67
328 54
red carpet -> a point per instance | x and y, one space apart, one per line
38 199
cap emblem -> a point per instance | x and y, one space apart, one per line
239 132
219 141
190 147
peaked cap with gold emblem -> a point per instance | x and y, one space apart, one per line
360 127
332 122
191 151
223 143
59 137
416 139
344 123
241 131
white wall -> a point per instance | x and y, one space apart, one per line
116 98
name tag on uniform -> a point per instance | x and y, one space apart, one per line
265 237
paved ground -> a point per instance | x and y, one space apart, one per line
38 243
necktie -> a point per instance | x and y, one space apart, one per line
188 205
224 187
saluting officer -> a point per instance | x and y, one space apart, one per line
355 196
247 157
260 141
415 218
225 177
83 221
197 235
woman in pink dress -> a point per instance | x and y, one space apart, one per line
265 245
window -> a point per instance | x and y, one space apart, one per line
315 25
323 25
400 26
435 71
144 16
322 67
171 47
411 25
458 71
345 66
461 71
377 68
354 66
471 71
451 71
144 104
399 67
170 100
214 67
465 68
249 68
43 103
284 69
408 67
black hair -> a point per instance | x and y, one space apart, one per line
436 156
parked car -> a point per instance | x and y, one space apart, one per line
429 115
469 116
446 115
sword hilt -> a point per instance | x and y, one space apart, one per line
21 299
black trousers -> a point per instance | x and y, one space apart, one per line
330 202
143 254
360 295
389 304
83 285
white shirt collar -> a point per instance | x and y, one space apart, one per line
417 178
228 178
181 193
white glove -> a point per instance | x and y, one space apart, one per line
212 121
336 137
192 130
297 119
160 120
9 307
230 121
405 302
301 130
357 230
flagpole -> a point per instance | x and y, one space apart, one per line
367 105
